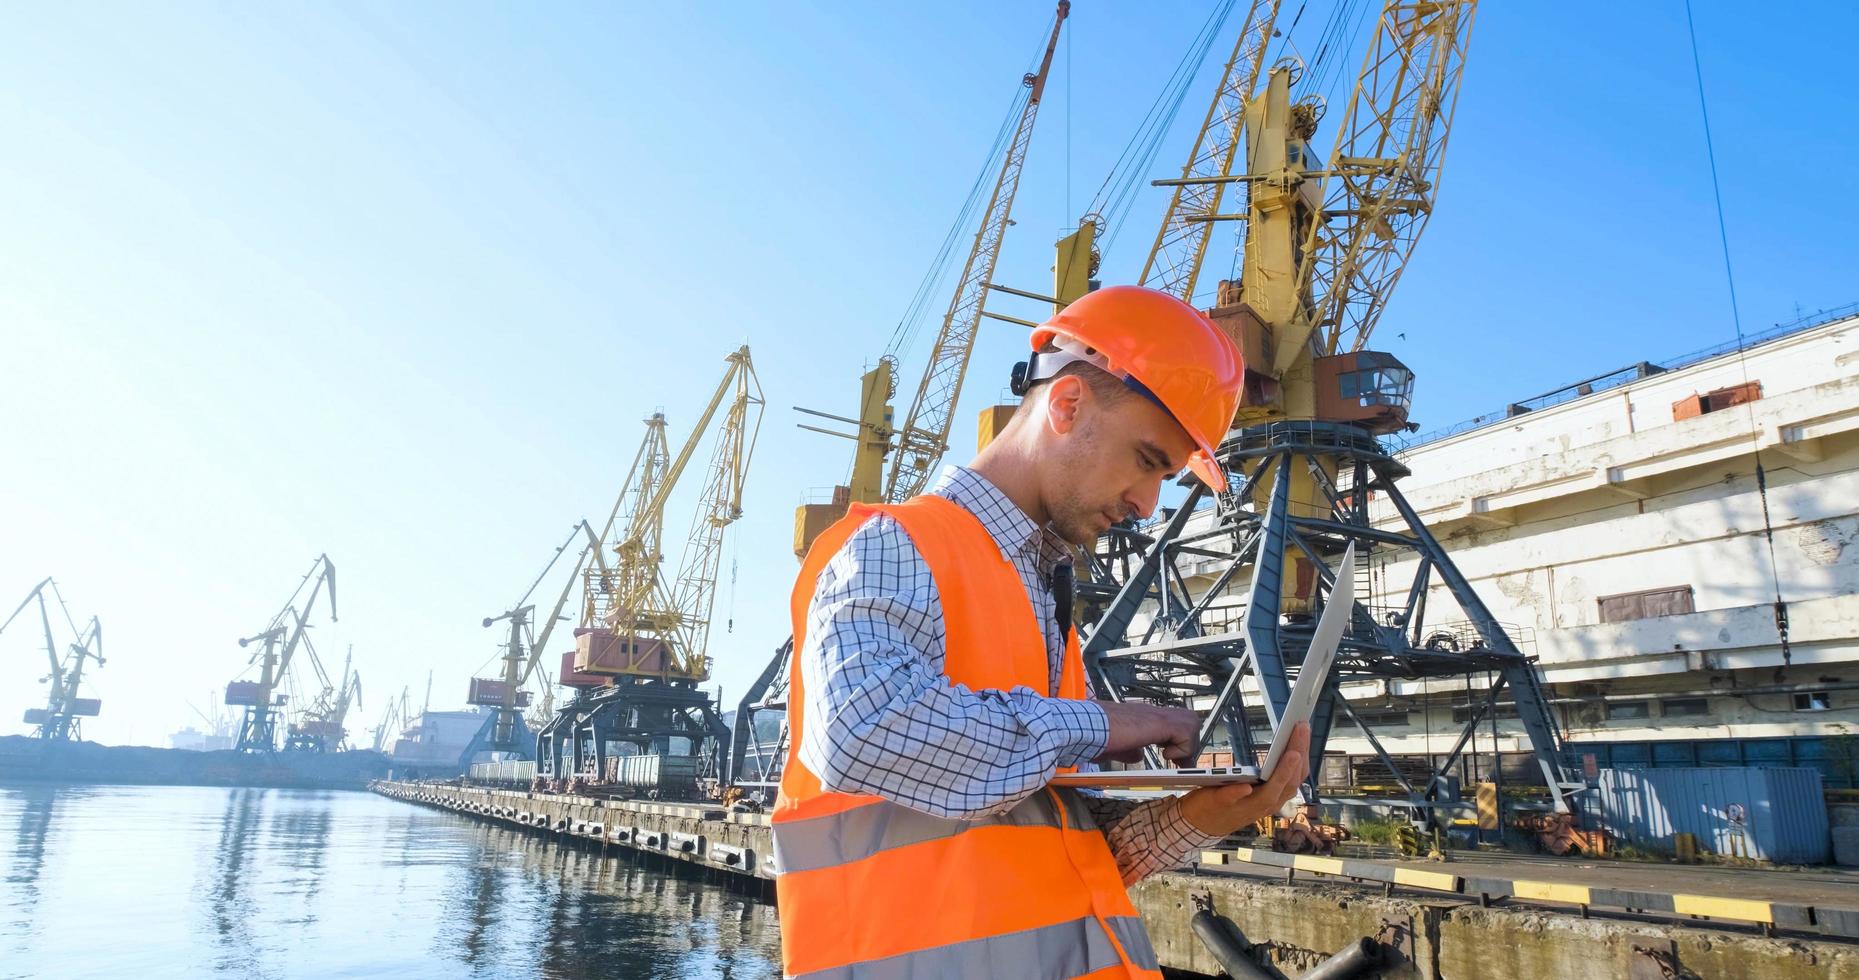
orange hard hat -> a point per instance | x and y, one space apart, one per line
1163 348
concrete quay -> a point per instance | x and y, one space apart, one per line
1294 925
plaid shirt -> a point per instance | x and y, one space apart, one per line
890 724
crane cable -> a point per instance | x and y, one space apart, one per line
1742 353
1119 191
916 312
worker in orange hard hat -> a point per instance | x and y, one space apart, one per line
937 686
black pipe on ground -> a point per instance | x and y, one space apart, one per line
1228 946
1354 960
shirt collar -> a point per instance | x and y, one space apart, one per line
1010 527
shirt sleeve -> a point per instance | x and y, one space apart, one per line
882 718
1148 836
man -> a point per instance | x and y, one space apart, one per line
935 693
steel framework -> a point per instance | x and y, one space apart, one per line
1174 262
1156 637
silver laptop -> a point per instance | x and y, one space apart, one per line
1303 701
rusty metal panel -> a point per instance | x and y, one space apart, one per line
569 677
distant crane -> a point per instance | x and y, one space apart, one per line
260 698
634 623
641 651
505 730
59 720
392 721
322 726
219 727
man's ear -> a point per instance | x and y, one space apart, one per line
1065 398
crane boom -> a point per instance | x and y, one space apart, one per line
924 436
719 506
1385 171
640 550
638 584
541 642
1174 262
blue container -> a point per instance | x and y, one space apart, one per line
1777 815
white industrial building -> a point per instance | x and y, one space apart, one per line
1621 531
1615 527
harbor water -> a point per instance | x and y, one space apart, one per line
172 881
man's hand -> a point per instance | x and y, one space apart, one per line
1134 726
1220 810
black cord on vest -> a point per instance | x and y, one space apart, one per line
1064 586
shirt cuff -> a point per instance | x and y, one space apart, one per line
1177 839
1077 731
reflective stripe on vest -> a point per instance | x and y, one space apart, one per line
1077 948
872 890
810 843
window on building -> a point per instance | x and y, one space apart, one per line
1501 711
1813 701
1684 707
1381 719
1645 605
1628 710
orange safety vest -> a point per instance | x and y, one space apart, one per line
871 888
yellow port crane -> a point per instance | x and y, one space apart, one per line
1325 241
923 438
642 649
1324 245
634 622
59 720
260 698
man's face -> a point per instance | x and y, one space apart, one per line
1109 459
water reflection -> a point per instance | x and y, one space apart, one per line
299 835
588 914
37 812
278 883
229 902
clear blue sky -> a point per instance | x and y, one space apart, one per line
398 282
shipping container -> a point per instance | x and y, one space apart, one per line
1769 814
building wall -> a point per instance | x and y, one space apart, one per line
1548 512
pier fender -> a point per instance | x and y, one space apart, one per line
734 857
